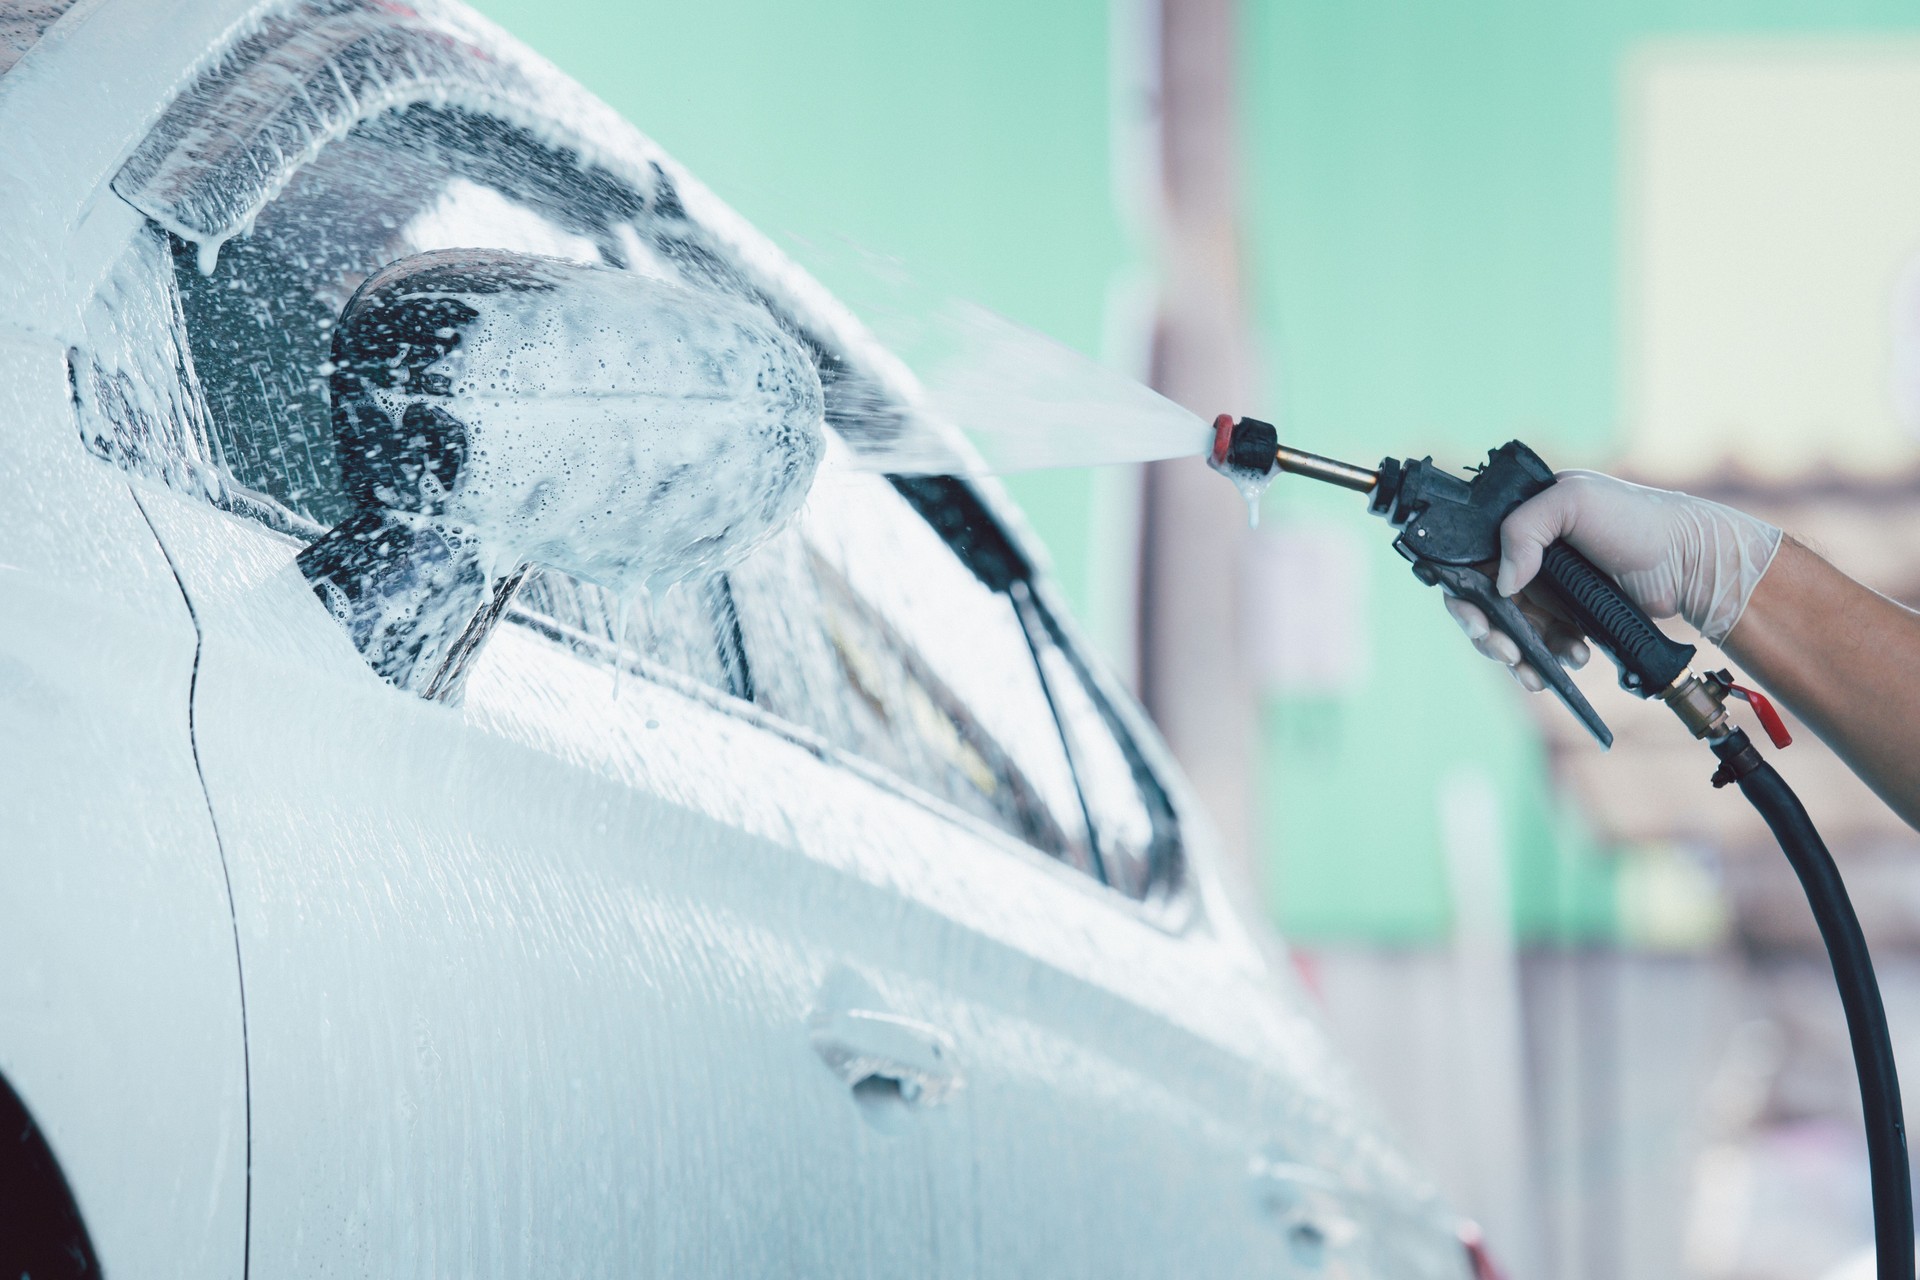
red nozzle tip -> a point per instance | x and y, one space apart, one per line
1222 437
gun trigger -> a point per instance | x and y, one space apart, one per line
1504 615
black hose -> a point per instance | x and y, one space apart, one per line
1859 996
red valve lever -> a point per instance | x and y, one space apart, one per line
1769 718
1479 1260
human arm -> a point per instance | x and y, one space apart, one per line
1844 658
1834 652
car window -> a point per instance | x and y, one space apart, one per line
686 628
260 313
1131 819
210 370
901 624
862 625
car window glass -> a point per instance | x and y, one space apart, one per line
216 380
863 626
682 629
1131 820
261 321
465 215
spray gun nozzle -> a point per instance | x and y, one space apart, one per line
1250 450
1248 445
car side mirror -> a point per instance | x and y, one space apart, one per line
496 410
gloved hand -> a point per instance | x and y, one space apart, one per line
1674 554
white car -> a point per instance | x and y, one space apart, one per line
832 916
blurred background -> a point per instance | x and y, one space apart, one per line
1677 240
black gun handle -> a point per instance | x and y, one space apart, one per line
1648 660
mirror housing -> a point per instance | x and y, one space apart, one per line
495 410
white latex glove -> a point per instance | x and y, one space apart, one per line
1674 554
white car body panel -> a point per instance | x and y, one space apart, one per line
568 976
120 1018
542 985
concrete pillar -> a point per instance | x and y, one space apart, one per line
1193 675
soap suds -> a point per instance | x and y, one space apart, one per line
1252 485
629 430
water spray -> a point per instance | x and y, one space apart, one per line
1449 531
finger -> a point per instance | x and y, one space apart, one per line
1527 678
1566 644
1528 532
1472 619
1563 637
1499 646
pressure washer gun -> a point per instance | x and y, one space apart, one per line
1450 526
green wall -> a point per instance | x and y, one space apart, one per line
969 142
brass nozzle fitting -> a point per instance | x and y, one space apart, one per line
1700 702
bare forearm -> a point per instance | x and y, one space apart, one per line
1844 659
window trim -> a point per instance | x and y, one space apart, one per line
22 28
305 75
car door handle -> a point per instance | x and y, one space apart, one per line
870 1049
1307 1204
